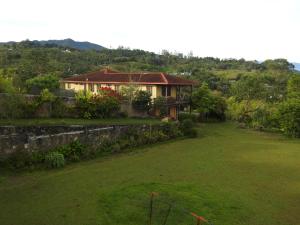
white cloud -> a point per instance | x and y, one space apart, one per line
252 29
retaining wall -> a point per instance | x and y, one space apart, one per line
43 138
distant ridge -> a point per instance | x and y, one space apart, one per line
297 66
69 43
84 45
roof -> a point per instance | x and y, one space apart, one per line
112 77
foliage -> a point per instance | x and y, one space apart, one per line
46 96
160 103
108 92
142 100
128 92
208 104
187 128
48 81
73 151
248 88
191 116
6 85
55 160
12 106
289 117
293 87
90 105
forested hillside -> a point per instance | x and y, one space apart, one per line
254 93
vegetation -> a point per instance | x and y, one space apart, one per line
90 106
228 176
69 121
76 151
142 100
55 160
254 93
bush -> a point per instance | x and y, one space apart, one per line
73 151
12 106
184 116
187 128
21 159
36 84
289 117
54 160
142 101
171 130
96 106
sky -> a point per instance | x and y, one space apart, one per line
250 29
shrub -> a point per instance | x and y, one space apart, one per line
184 116
73 151
12 106
187 128
142 101
54 160
22 159
171 130
289 117
96 106
116 148
36 84
19 160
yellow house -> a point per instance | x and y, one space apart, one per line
157 84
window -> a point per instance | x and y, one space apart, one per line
91 87
149 89
166 91
69 85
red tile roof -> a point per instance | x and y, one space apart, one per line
112 77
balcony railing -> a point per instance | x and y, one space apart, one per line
175 101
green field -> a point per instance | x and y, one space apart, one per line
228 175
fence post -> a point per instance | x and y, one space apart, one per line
168 213
198 218
151 207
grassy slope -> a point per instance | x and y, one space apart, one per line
66 121
230 176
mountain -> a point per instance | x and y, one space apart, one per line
69 43
297 66
84 45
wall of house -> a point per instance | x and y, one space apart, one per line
78 87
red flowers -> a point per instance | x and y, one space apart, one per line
107 91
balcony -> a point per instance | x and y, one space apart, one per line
176 101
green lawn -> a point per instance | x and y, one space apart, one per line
230 176
66 121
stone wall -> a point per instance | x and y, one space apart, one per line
43 138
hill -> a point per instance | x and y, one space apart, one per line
70 43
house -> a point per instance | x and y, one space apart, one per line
176 90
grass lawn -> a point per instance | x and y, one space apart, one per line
67 121
230 176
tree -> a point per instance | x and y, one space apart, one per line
289 117
142 100
293 87
208 104
48 81
248 88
